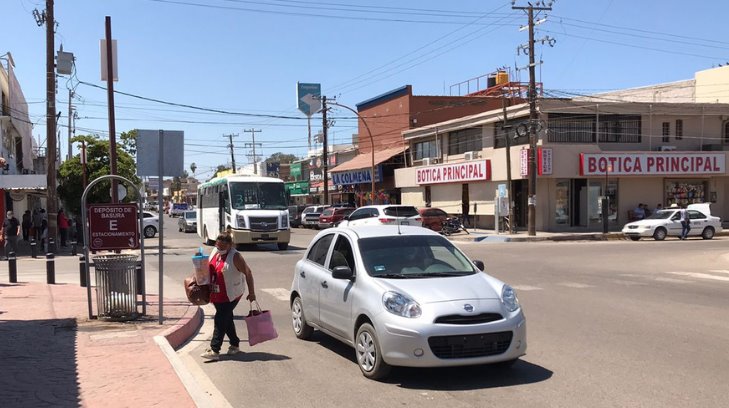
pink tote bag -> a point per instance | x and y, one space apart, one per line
260 325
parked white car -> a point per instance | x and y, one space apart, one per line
667 222
392 214
404 296
150 224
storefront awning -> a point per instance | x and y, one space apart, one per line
364 160
23 182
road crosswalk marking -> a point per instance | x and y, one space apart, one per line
278 293
701 276
526 287
719 271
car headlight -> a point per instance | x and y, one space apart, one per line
241 221
509 299
401 305
284 221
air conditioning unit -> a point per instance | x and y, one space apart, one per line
668 148
426 161
435 160
470 155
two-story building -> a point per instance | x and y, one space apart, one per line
664 144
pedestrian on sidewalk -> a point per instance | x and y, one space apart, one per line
63 225
37 220
227 272
10 232
27 223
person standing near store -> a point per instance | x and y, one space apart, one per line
10 232
63 225
37 220
27 223
228 270
685 223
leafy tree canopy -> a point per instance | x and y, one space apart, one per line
282 158
70 175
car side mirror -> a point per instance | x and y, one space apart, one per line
479 265
343 272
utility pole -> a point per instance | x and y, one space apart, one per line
230 146
110 98
324 155
509 191
253 145
70 118
533 114
51 197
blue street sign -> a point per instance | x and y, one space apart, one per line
308 98
502 190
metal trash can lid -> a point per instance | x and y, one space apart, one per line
115 259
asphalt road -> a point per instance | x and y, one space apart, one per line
614 323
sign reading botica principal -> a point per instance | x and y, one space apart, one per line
479 170
652 163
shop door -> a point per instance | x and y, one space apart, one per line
520 189
586 206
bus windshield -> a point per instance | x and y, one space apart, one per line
257 196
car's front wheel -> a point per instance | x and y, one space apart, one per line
369 354
150 231
302 330
707 233
659 234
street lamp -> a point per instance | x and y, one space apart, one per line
372 143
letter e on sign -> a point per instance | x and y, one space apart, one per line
112 225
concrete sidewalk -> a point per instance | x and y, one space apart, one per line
53 355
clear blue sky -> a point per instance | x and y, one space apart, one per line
246 56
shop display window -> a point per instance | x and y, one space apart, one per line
685 192
562 203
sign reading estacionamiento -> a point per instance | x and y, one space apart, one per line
113 226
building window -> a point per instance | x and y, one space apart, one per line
666 131
425 149
500 136
570 128
726 132
466 140
679 129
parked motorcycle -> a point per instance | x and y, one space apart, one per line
452 225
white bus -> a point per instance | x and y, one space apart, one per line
254 208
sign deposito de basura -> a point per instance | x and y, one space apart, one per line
638 164
113 226
479 170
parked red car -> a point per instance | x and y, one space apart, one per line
333 216
432 217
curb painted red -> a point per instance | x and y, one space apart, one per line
185 328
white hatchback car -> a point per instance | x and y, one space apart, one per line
150 224
668 222
404 296
391 214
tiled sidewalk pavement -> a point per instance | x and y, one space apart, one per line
52 355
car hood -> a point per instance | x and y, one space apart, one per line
434 290
648 223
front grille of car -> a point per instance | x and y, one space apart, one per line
473 319
470 346
263 223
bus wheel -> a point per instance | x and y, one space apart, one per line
206 239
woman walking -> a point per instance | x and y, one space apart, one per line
227 271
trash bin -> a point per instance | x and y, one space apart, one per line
116 286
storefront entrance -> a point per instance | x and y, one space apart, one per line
578 203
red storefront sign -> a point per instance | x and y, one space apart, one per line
638 164
113 226
454 173
544 161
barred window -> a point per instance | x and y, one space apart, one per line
425 149
500 136
679 129
619 129
466 140
666 131
567 128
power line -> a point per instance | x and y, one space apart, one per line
253 145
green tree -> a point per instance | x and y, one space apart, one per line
70 176
281 158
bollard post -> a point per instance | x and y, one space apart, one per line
140 278
82 270
73 248
12 268
33 249
50 268
51 245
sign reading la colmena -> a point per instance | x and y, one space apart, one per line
652 163
453 173
355 176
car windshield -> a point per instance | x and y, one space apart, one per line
413 257
190 215
253 196
328 212
661 215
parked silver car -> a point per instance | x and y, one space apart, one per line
187 222
404 296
